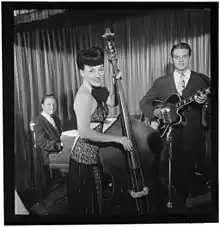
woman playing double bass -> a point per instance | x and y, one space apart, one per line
90 105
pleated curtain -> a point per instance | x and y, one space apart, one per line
45 62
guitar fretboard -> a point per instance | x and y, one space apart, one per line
185 101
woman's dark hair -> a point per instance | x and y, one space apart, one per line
48 96
91 57
181 46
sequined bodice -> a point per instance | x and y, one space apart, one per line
100 113
84 150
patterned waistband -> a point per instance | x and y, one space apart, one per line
85 152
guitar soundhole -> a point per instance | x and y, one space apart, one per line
107 186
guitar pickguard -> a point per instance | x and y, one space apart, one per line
177 117
171 103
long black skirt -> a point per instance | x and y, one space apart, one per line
84 189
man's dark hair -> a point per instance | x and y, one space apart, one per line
48 96
181 46
92 57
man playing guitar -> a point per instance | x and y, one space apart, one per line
188 142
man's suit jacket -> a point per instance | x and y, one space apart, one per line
165 86
47 137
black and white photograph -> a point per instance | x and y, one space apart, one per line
113 107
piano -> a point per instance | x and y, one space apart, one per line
61 160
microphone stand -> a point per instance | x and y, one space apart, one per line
169 141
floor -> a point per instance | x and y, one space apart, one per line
201 209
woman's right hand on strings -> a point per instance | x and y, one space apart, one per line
127 144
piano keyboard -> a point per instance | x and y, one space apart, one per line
108 123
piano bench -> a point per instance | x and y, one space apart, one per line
63 168
60 162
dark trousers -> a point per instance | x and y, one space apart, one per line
185 160
182 166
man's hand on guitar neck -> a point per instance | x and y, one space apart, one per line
200 97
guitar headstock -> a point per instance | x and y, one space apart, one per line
207 90
109 38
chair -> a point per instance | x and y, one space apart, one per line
41 177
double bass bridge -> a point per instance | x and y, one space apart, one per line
139 194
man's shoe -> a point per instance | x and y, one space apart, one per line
39 209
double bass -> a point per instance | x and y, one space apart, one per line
129 171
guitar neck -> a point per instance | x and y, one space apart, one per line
190 99
185 102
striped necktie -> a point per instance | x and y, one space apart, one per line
181 83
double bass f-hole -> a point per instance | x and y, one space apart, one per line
139 189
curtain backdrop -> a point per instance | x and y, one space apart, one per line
44 62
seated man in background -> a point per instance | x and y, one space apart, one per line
48 140
48 128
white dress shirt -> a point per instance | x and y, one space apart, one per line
49 118
177 79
